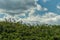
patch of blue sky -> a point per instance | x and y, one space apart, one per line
22 16
2 15
50 5
39 12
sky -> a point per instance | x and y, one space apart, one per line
31 11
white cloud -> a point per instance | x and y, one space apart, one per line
45 9
2 10
39 7
58 6
49 18
45 1
1 19
15 7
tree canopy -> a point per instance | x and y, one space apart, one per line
19 31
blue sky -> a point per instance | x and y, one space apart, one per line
31 11
51 5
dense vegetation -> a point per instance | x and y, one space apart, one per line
19 31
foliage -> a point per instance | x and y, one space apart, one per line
19 31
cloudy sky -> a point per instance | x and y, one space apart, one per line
31 11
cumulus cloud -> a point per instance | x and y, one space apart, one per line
58 6
48 18
39 7
16 6
45 9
